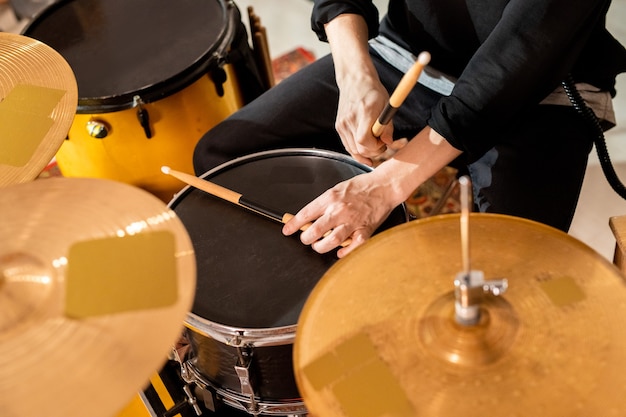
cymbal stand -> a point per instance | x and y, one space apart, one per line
470 285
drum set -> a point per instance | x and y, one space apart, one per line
152 79
116 303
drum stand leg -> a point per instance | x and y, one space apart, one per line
190 401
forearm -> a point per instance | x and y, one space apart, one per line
423 156
347 36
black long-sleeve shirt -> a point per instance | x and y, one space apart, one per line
506 54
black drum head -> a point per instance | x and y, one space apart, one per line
249 274
120 48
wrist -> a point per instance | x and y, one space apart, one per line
398 180
426 154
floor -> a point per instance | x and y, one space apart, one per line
287 24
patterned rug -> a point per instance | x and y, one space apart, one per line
438 195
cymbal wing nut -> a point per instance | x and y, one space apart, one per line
469 292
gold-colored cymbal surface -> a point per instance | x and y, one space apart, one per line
378 335
38 100
96 279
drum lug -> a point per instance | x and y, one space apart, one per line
97 129
243 372
219 77
142 116
242 369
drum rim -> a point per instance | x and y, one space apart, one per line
290 152
241 336
213 56
257 336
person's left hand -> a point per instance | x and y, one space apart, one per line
352 209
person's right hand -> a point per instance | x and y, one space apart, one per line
361 99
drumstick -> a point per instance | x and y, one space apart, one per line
402 90
236 198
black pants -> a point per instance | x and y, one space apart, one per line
535 171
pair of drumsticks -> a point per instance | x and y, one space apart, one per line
260 48
402 90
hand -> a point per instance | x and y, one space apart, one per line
356 207
362 97
352 209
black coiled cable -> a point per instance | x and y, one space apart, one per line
603 153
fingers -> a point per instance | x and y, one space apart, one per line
316 225
359 107
391 150
344 216
366 148
339 237
324 231
357 240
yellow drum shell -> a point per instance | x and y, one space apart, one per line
127 155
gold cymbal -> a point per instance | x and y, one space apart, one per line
378 335
38 100
96 279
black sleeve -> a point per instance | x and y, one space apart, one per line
531 49
326 10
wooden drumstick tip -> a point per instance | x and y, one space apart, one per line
423 58
165 169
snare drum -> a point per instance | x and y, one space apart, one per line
153 76
253 280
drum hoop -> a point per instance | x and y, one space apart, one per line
292 152
276 152
215 56
270 336
241 336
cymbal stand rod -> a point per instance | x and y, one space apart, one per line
465 210
470 286
467 300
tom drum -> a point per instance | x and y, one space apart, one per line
153 76
252 280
